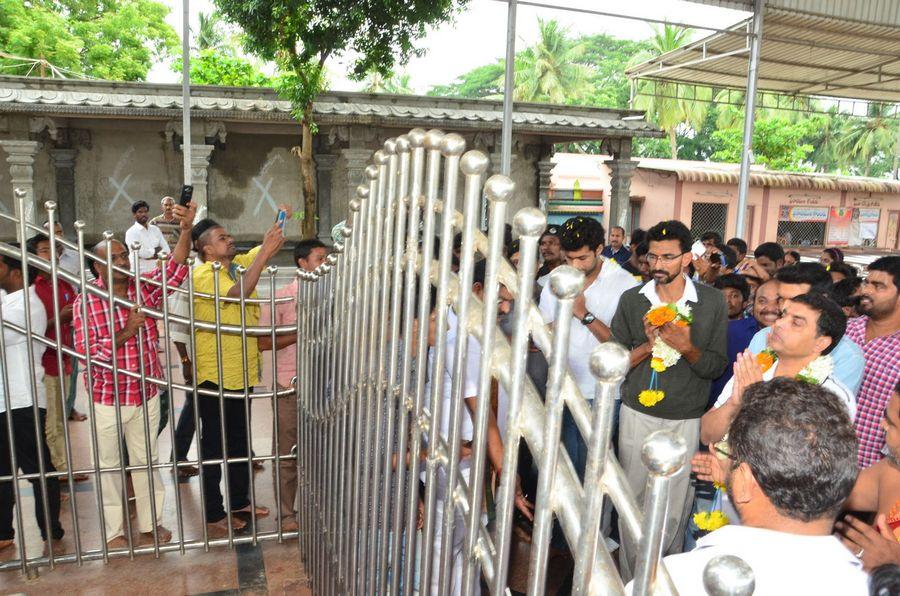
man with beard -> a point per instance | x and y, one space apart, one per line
702 357
551 253
151 237
877 332
604 281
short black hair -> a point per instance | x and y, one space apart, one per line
843 291
303 248
580 231
813 274
642 249
799 442
772 250
139 205
738 244
890 265
841 267
201 227
513 248
711 235
836 254
832 320
735 281
611 228
16 263
794 254
729 257
672 230
885 580
637 236
31 243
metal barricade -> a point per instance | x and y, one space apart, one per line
375 422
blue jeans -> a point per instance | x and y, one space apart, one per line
574 442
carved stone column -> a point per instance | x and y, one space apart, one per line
545 167
63 161
20 157
356 160
621 168
324 171
200 155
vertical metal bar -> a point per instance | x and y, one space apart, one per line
186 92
509 86
664 453
609 364
749 115
529 224
499 190
245 364
276 445
219 304
192 348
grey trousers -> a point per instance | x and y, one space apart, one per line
633 430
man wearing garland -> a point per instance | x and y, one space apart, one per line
677 333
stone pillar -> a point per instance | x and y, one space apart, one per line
324 170
621 168
20 157
63 161
200 155
545 167
356 159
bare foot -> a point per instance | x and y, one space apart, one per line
260 511
63 497
163 535
257 466
219 529
117 542
80 477
6 543
77 416
188 471
289 524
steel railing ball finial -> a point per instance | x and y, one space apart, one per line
217 266
380 158
272 270
664 453
50 205
452 145
403 144
347 230
728 575
354 204
362 191
610 362
338 248
163 256
474 163
135 246
20 193
190 262
566 282
390 147
79 225
499 188
326 267
331 259
530 222
108 235
433 138
372 170
416 137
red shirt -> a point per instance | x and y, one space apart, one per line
94 336
44 290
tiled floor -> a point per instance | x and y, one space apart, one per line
267 567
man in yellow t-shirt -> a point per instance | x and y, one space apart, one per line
215 245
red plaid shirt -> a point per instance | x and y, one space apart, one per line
95 333
879 379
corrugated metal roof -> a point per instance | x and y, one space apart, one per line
879 12
801 54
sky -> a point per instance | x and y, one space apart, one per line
478 35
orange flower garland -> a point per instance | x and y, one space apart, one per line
766 359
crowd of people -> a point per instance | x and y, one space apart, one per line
781 373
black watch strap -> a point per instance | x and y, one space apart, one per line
588 319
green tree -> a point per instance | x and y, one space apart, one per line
300 36
215 67
209 34
483 82
397 84
669 105
112 39
777 144
608 57
551 71
870 140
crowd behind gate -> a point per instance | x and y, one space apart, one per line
783 376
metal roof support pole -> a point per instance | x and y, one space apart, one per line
186 95
509 85
750 105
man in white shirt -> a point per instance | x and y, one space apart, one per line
791 464
151 237
604 283
803 339
19 396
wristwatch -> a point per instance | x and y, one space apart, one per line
588 319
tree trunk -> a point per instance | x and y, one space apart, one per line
673 144
307 177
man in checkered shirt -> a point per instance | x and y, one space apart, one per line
877 332
125 394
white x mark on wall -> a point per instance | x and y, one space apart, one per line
119 187
264 196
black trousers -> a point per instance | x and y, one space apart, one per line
184 429
26 445
211 448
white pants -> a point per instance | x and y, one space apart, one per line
108 453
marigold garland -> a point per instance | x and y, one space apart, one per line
650 397
663 356
710 520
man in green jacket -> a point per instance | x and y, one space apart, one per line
672 393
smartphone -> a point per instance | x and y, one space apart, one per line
698 250
187 191
281 219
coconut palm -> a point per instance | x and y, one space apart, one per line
552 70
376 82
209 35
864 139
669 105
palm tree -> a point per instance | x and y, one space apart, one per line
209 36
551 71
376 82
865 139
671 105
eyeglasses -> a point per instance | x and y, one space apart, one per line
652 258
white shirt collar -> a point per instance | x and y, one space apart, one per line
689 294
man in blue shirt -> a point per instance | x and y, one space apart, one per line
741 329
812 277
616 247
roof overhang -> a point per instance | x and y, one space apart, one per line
809 48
